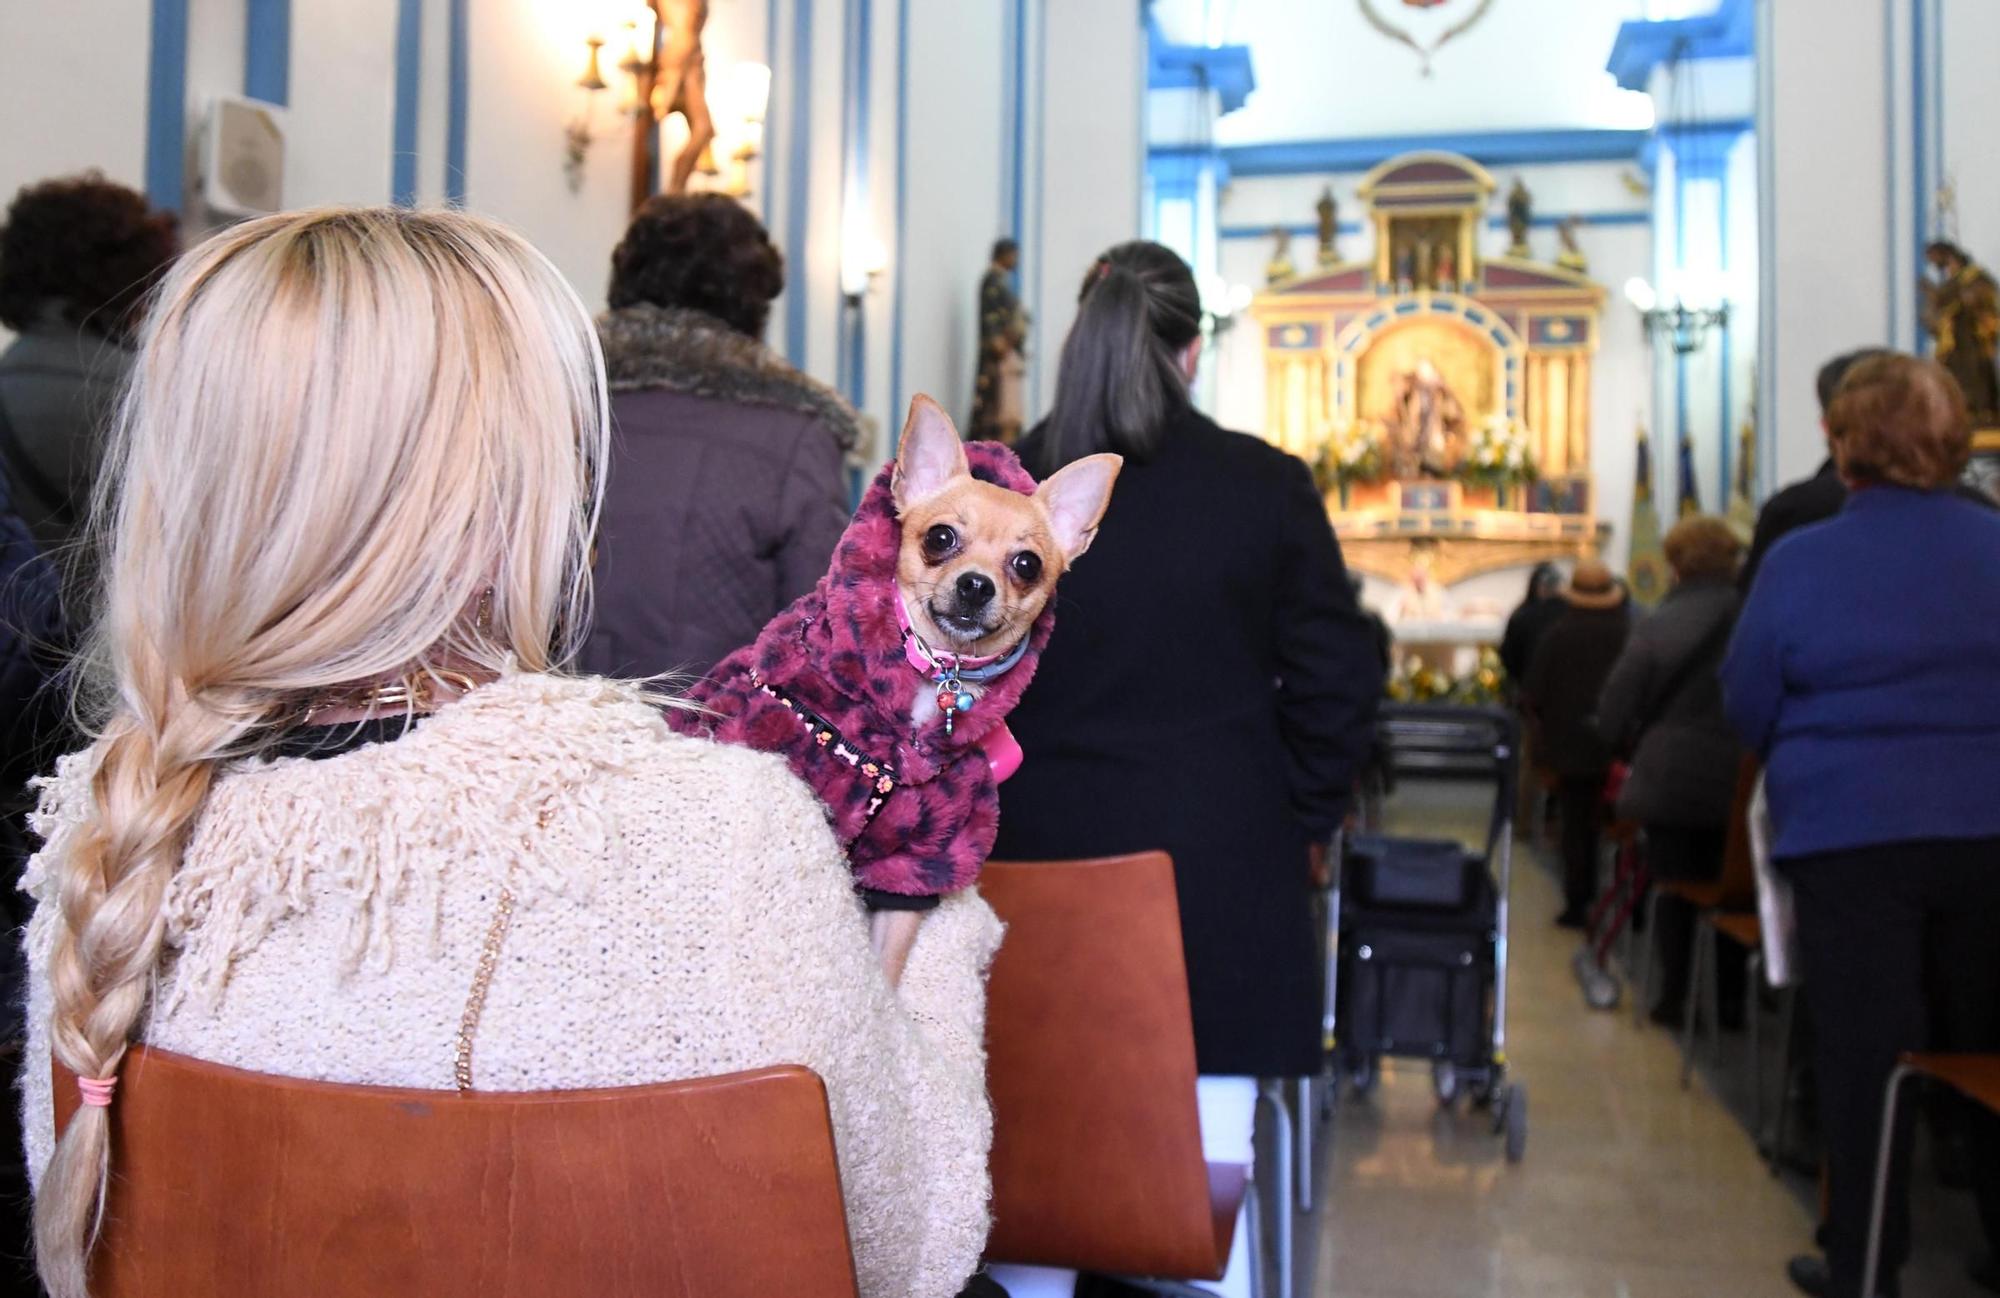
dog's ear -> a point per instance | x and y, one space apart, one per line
931 454
1076 496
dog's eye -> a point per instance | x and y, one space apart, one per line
940 540
1027 567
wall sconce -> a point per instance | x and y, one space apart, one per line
1222 303
1683 326
740 98
862 262
633 21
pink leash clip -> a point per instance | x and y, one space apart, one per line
1003 752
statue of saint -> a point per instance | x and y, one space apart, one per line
997 407
1520 213
1329 228
1961 310
1406 269
1426 425
681 86
1447 269
1280 266
1571 255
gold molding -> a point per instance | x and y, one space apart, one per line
1392 558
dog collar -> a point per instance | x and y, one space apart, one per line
952 672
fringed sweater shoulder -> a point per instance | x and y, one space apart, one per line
682 910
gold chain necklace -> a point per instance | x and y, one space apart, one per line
417 693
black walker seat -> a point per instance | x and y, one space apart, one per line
1420 925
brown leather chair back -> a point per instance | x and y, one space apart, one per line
1097 1158
231 1184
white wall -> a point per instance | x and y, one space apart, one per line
73 96
954 197
1090 95
1841 245
1971 102
1324 73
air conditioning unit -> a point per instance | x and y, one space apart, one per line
243 157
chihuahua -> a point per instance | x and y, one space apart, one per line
886 687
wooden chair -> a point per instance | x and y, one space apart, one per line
232 1184
1976 1077
1097 1153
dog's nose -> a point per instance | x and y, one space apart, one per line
975 590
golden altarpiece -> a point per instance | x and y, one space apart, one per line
1450 377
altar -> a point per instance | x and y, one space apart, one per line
1443 396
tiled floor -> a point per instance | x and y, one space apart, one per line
1631 1188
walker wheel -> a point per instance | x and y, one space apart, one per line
1445 1082
1516 1118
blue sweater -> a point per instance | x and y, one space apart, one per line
1866 671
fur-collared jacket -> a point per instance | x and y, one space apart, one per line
725 493
830 686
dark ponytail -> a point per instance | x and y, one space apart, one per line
1120 378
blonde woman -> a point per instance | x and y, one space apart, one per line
353 492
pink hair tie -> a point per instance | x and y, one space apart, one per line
97 1091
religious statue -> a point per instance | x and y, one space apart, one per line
1329 228
1280 266
1961 310
997 405
1571 256
1420 598
1520 212
1426 425
1406 269
681 86
1447 269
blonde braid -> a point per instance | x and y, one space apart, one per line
150 785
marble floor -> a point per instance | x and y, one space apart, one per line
1632 1187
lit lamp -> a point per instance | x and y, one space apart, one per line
1683 325
739 99
862 262
632 23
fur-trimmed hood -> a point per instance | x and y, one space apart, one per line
691 352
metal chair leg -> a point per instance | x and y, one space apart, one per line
1273 1093
1753 976
1690 1009
1643 968
1885 1155
1303 1124
1253 1221
1712 993
1788 1005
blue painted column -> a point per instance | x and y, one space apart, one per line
166 105
458 95
267 51
403 131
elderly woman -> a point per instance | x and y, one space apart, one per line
1663 705
1866 671
726 489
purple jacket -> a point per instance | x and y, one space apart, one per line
828 685
725 493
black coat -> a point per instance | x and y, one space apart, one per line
1663 704
1210 691
1524 631
1565 677
1812 500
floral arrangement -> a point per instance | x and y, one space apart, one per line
1498 457
1351 453
1419 682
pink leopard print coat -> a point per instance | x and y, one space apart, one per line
828 685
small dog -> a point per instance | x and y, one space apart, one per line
887 685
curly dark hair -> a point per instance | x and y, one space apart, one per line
89 244
703 252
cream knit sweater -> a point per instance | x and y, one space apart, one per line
686 912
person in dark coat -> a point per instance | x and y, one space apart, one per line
1536 613
1211 686
1811 500
77 256
1663 705
1863 671
726 490
1559 696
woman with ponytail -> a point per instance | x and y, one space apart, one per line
347 528
1211 690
